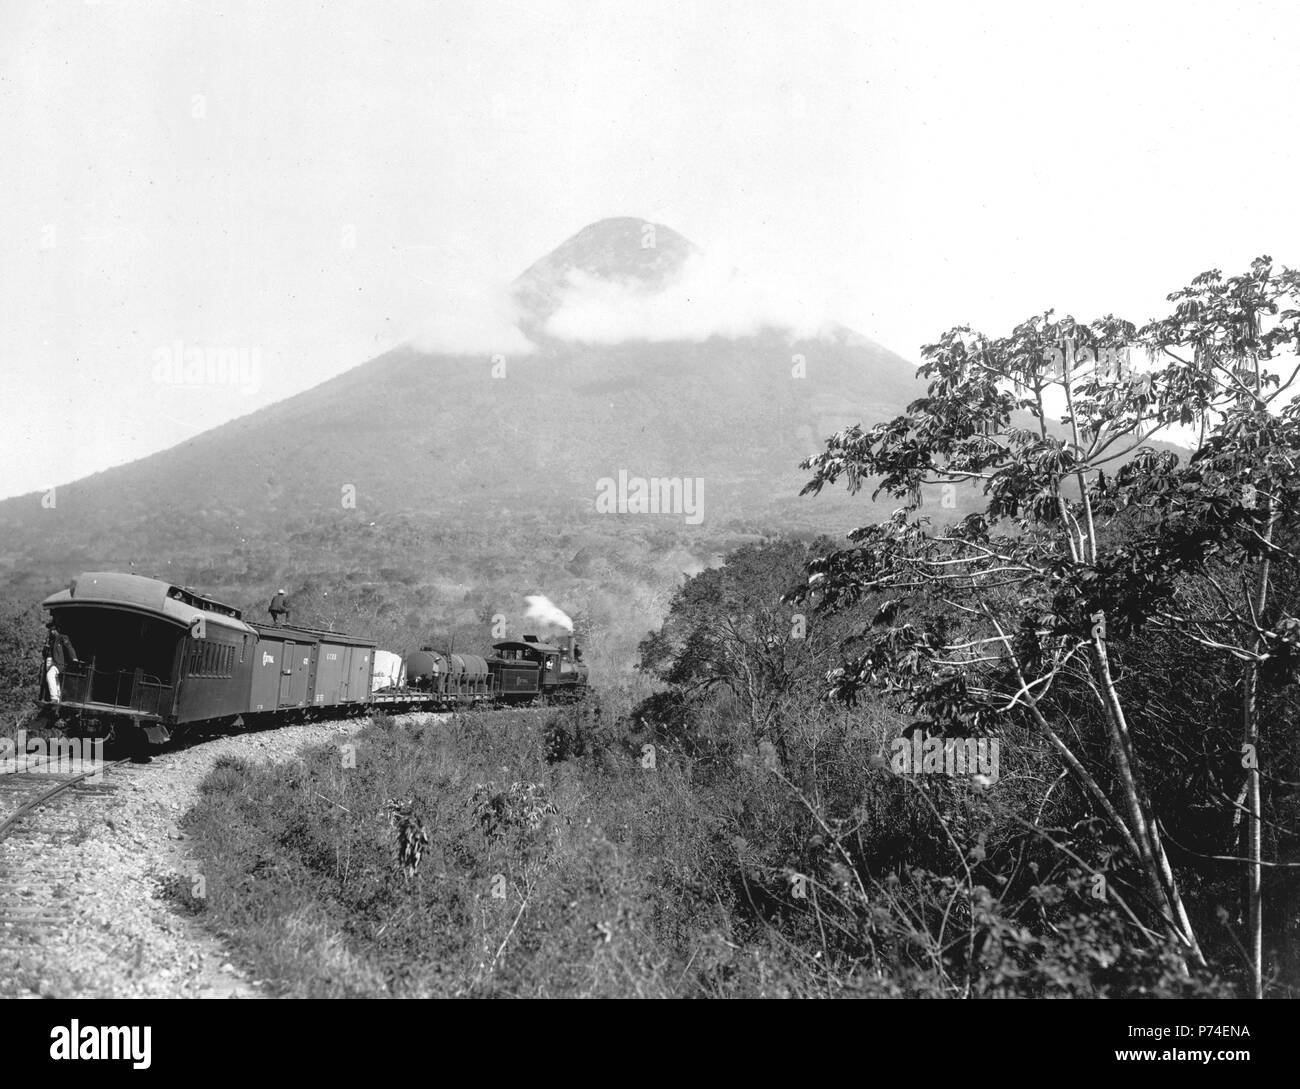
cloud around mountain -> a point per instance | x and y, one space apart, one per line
472 319
616 281
705 298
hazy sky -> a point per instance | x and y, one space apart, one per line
304 185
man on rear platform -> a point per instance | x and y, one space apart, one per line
58 653
279 607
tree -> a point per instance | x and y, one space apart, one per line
1242 481
22 634
1018 606
728 629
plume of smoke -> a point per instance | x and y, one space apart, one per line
544 610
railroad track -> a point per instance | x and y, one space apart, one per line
54 858
43 819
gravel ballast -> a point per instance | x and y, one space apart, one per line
99 865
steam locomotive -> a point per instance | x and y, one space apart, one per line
152 658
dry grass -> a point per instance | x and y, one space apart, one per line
558 864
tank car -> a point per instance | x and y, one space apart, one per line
450 678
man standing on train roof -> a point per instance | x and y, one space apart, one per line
279 607
59 651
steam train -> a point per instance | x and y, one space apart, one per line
152 658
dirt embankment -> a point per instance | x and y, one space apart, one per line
100 869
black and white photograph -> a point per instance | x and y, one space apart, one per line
641 499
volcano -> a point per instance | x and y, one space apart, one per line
455 477
630 254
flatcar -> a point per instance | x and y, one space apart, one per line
389 672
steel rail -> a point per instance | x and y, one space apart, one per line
30 806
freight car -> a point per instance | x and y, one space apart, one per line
448 678
152 658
